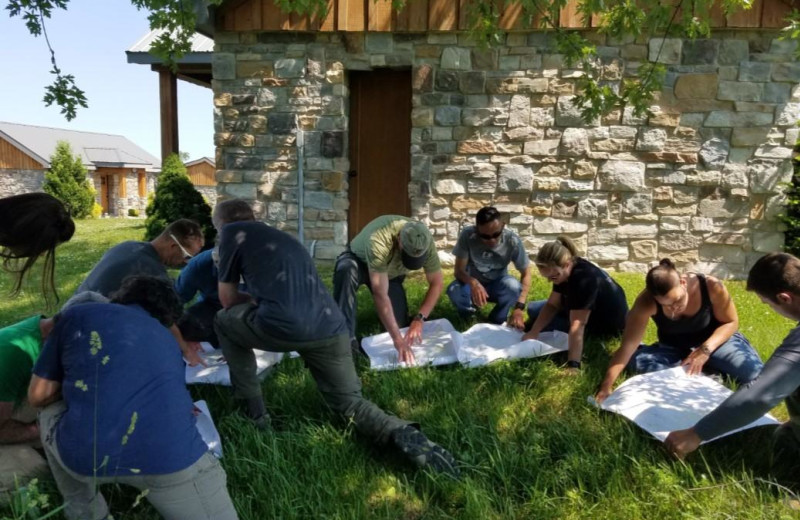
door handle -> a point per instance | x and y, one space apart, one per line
352 173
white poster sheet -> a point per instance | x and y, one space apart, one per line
668 400
208 431
216 371
442 344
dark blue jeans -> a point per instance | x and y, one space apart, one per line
504 292
735 358
559 322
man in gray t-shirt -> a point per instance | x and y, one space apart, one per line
483 252
775 278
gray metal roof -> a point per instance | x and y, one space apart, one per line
202 49
95 149
208 160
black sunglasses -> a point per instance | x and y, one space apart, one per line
492 236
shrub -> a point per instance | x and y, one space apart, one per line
133 212
176 198
66 180
791 215
97 210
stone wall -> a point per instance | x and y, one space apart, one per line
699 180
209 193
17 182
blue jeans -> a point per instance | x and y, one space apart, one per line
735 358
504 292
559 322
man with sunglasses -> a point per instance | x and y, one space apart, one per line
380 257
178 243
483 252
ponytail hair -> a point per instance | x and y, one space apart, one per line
662 278
557 253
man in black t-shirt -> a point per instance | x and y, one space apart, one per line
287 308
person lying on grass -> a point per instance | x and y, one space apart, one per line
288 308
585 300
126 416
697 325
775 278
483 252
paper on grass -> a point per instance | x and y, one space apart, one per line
217 372
480 345
437 348
208 431
668 400
486 342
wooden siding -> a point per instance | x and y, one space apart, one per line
444 15
202 174
12 158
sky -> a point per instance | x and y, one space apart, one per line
90 39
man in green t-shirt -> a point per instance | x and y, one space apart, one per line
381 256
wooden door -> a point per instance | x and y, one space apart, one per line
104 192
380 146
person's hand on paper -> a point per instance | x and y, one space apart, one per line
479 294
192 356
694 362
517 320
681 443
404 352
530 335
602 394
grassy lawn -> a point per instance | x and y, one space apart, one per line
529 444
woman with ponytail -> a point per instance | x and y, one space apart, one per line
697 327
585 299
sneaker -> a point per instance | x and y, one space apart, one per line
255 410
423 452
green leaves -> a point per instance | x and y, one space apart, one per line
66 180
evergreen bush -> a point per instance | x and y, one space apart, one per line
66 180
176 198
791 217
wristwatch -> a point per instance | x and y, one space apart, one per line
420 317
705 350
520 306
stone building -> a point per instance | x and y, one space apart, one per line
122 173
326 123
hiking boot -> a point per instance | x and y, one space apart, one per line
423 452
255 410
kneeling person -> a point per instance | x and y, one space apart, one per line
289 309
483 252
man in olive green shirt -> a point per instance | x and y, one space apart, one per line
381 256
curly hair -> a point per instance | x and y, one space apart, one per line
155 295
33 224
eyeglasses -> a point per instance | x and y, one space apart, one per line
493 236
186 254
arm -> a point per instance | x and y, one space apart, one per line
11 431
383 305
42 392
186 285
635 326
549 311
478 291
518 315
435 285
777 381
189 349
577 324
230 295
725 312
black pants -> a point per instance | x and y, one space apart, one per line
350 274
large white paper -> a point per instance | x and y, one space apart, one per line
668 400
208 431
217 371
437 348
480 345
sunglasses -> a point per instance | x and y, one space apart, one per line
186 254
492 236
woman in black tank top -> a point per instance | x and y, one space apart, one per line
697 327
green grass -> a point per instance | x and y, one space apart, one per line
530 445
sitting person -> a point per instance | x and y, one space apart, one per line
20 345
775 278
126 415
585 299
697 325
199 277
483 252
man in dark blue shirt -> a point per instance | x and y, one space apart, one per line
288 308
126 415
199 276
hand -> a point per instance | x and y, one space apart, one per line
517 320
414 334
479 294
193 345
680 443
192 356
404 352
530 335
602 394
694 362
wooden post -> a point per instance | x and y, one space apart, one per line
168 94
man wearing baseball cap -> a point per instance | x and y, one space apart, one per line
381 256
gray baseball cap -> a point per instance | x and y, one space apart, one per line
415 241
